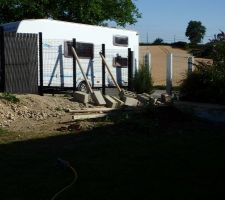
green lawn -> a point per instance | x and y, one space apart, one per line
153 155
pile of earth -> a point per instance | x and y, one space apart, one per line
31 110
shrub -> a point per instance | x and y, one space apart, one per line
207 82
143 81
9 97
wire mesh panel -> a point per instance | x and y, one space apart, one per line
58 64
180 67
57 69
117 59
21 63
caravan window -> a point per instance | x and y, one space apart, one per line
119 61
84 50
120 40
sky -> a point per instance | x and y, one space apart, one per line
168 19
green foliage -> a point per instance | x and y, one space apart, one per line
180 44
158 41
3 132
9 97
195 31
82 11
143 81
207 50
207 82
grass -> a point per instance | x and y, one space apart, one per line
161 154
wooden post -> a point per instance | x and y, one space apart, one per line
82 71
110 73
190 64
2 61
40 64
169 74
103 70
74 67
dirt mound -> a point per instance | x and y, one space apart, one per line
32 111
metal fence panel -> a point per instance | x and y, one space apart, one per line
58 66
21 63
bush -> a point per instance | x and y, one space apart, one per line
207 82
143 81
9 97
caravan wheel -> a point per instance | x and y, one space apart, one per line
83 87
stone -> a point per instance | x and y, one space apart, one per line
129 101
119 102
126 93
110 102
166 98
143 99
81 97
98 98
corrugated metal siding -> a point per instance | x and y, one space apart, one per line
21 63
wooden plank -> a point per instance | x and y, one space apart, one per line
88 116
107 67
88 110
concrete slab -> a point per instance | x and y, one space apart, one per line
143 99
166 98
128 101
110 102
146 99
126 93
98 98
81 97
119 102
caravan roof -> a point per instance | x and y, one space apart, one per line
54 29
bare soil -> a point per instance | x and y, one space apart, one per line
34 113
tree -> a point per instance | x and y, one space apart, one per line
81 11
195 31
158 41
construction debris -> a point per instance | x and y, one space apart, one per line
128 101
96 95
126 93
122 93
110 102
98 98
81 97
119 102
166 98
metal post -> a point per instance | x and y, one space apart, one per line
41 64
130 69
190 64
169 74
103 70
2 61
74 67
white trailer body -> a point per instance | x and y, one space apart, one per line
58 68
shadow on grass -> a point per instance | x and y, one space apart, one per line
160 155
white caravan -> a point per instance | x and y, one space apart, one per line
57 59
